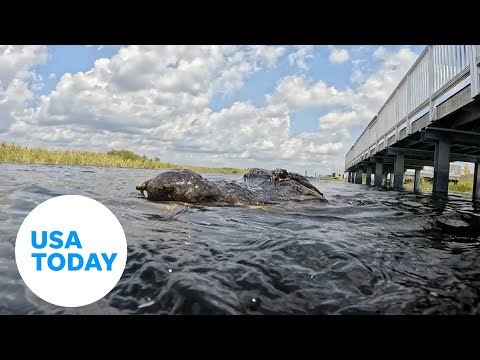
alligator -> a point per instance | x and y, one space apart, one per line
260 186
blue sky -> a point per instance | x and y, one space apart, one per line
74 58
70 59
233 106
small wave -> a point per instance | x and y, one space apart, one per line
366 252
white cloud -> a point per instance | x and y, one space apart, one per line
296 92
100 47
347 119
351 109
155 100
393 67
300 57
338 56
368 97
18 79
145 87
52 76
269 54
359 72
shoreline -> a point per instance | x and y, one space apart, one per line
17 154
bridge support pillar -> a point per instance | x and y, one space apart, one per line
378 173
476 182
369 175
399 171
349 176
416 183
385 180
441 170
358 176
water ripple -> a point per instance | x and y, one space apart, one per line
367 252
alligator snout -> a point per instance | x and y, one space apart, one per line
142 188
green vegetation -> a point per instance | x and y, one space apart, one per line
464 185
116 158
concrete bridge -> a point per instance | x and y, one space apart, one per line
432 118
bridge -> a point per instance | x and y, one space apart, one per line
432 118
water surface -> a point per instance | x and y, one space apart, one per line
368 251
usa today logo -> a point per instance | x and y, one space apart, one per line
71 251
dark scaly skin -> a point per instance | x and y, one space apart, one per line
261 186
289 185
303 180
181 185
279 175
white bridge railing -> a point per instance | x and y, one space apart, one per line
439 72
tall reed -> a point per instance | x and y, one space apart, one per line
117 158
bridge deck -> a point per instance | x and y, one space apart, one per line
431 118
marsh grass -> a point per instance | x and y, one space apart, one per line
464 185
115 158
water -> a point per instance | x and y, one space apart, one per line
367 252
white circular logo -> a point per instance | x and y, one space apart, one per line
71 250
